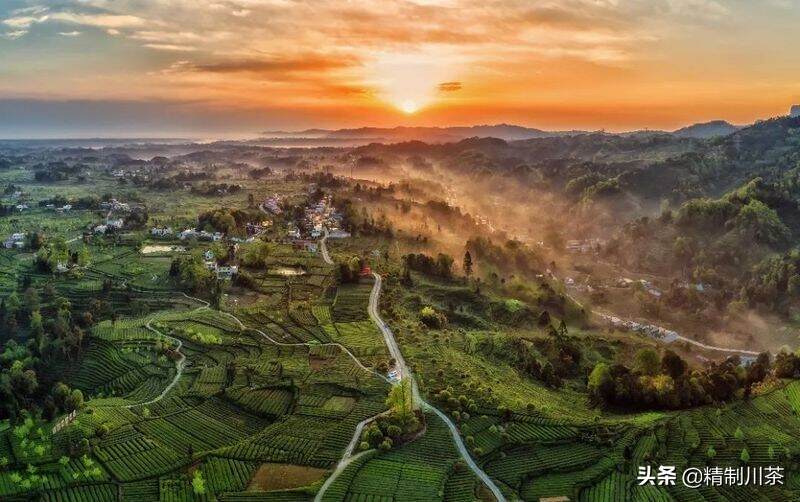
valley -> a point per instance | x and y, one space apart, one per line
475 320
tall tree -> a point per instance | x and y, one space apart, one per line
467 264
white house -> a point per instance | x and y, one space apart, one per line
188 234
115 223
227 272
161 231
15 240
338 234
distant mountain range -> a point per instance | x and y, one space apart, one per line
712 129
428 134
505 132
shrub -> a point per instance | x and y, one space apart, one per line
198 483
431 318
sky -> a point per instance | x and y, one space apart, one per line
229 68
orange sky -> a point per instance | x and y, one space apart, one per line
246 65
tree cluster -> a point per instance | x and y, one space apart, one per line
441 266
664 382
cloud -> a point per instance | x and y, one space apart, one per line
450 86
171 47
100 20
14 34
112 21
166 37
307 63
74 33
23 21
36 9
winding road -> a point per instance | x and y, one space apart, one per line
671 337
403 372
179 367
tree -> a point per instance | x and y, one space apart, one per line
759 369
198 483
23 382
74 401
601 384
467 264
673 365
647 362
60 394
431 318
711 452
401 402
745 456
37 330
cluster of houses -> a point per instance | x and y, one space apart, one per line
115 205
223 272
273 204
322 215
191 233
161 232
253 229
62 209
15 240
259 227
624 282
318 217
657 332
110 224
22 206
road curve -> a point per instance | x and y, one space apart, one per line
615 320
404 372
672 335
394 351
179 368
324 249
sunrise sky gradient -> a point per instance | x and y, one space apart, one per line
77 68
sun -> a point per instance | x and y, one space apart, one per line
409 106
408 82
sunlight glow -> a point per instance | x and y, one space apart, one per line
409 107
409 82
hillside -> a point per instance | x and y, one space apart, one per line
705 130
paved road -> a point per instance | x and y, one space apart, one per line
324 248
179 367
403 372
670 335
673 335
181 361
